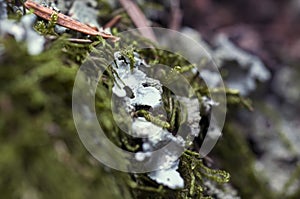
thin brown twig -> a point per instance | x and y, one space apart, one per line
138 18
65 20
176 15
112 22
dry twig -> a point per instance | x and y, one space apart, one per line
112 22
176 15
138 18
65 20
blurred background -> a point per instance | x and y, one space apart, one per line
256 45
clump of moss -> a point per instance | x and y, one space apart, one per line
47 28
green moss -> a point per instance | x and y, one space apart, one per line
47 28
129 53
154 120
42 154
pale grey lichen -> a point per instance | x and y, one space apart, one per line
193 116
143 128
243 76
211 78
3 11
208 103
23 31
85 12
251 67
146 93
168 177
286 84
58 6
223 192
35 42
277 141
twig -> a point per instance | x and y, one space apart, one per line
176 15
65 20
80 40
112 22
138 18
75 40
